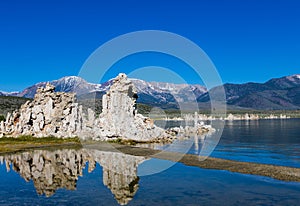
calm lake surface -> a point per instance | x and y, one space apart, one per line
94 177
264 141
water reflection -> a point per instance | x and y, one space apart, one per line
52 170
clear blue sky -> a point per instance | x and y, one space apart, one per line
248 40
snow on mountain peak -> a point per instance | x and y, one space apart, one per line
158 91
71 79
293 78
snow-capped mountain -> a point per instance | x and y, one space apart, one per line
168 92
277 93
2 93
148 92
65 84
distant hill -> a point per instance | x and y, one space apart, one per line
9 104
276 94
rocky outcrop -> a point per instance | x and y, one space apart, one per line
56 114
49 114
119 117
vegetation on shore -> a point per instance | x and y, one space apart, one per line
12 144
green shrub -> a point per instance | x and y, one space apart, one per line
2 118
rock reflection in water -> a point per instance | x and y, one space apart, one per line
51 170
120 174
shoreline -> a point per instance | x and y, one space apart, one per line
283 173
218 119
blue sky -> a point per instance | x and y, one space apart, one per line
247 40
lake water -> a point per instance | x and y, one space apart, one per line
264 141
95 177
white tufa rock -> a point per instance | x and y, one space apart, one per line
56 114
44 116
119 117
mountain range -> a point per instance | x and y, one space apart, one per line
275 94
